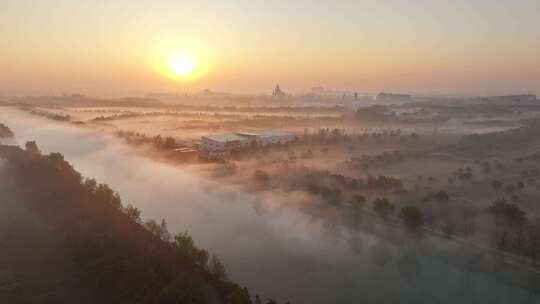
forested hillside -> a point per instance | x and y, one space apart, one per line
67 239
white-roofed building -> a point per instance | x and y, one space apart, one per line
218 144
269 137
223 142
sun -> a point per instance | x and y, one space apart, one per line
183 65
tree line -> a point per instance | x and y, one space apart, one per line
143 263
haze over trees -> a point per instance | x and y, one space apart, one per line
269 152
422 179
98 235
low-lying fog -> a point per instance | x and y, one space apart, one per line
265 243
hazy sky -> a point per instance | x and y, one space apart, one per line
422 46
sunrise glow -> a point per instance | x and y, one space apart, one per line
270 152
183 65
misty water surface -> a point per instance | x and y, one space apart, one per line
273 249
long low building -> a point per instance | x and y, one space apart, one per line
393 97
224 142
268 137
523 98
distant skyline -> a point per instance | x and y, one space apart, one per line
120 47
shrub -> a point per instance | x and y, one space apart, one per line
412 217
382 207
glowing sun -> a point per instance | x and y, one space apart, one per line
180 63
183 65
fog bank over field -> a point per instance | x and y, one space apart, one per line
265 242
252 236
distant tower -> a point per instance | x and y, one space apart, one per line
278 92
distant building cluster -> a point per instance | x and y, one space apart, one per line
393 97
523 98
220 144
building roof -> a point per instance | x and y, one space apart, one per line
244 135
184 150
249 134
225 137
266 133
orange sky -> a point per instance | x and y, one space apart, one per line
122 47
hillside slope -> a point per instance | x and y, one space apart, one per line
65 239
